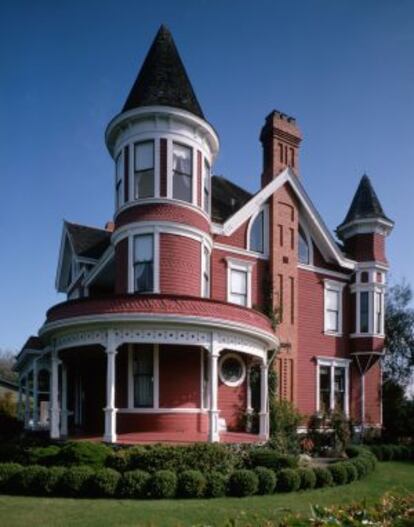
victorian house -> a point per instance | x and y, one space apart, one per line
196 283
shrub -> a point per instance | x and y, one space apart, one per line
387 453
25 481
75 480
339 474
353 451
351 472
342 431
216 484
323 477
83 453
163 484
360 466
267 480
191 484
284 422
243 482
7 472
43 455
104 482
288 480
49 481
119 460
307 478
266 457
134 484
377 451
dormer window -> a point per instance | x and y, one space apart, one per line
144 170
144 263
119 179
303 247
182 172
257 236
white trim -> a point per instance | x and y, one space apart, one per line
156 382
266 240
313 218
100 265
242 378
321 270
156 257
245 266
338 287
332 363
238 250
365 226
203 266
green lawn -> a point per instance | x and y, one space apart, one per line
45 512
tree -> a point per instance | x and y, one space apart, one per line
7 361
399 334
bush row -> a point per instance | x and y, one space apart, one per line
393 452
86 481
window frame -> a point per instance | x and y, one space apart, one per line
135 262
155 384
205 270
238 358
265 211
243 266
120 182
338 287
156 252
137 172
206 188
333 363
174 172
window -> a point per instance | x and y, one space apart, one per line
119 179
378 313
257 235
144 263
332 382
232 371
324 389
364 312
238 287
143 377
144 170
182 173
332 310
206 187
303 247
206 273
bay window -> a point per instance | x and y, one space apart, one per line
364 312
182 172
144 263
143 377
119 179
333 307
332 385
144 170
378 313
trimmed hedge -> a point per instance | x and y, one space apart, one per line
7 472
216 484
339 473
191 484
307 478
104 482
323 477
392 452
134 484
288 480
75 481
267 480
243 482
83 453
266 457
163 484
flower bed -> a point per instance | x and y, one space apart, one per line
220 471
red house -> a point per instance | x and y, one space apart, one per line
196 283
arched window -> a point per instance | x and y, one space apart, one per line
303 247
257 233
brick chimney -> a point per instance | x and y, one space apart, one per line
280 138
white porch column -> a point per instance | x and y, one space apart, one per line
249 409
362 401
264 411
54 397
35 396
64 412
213 433
110 410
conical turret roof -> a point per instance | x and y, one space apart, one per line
162 79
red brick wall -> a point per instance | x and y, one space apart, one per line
232 405
162 212
180 265
121 267
367 247
373 395
355 394
180 377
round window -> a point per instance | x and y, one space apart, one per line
232 370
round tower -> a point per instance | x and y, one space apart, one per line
163 150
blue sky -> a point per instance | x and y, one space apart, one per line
343 68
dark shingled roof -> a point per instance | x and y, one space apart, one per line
162 79
88 241
227 198
365 204
33 343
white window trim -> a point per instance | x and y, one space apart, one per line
220 370
156 258
240 265
156 380
170 170
332 285
265 210
333 363
120 155
305 230
205 161
371 287
131 179
203 247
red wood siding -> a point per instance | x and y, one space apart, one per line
168 422
232 405
237 239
